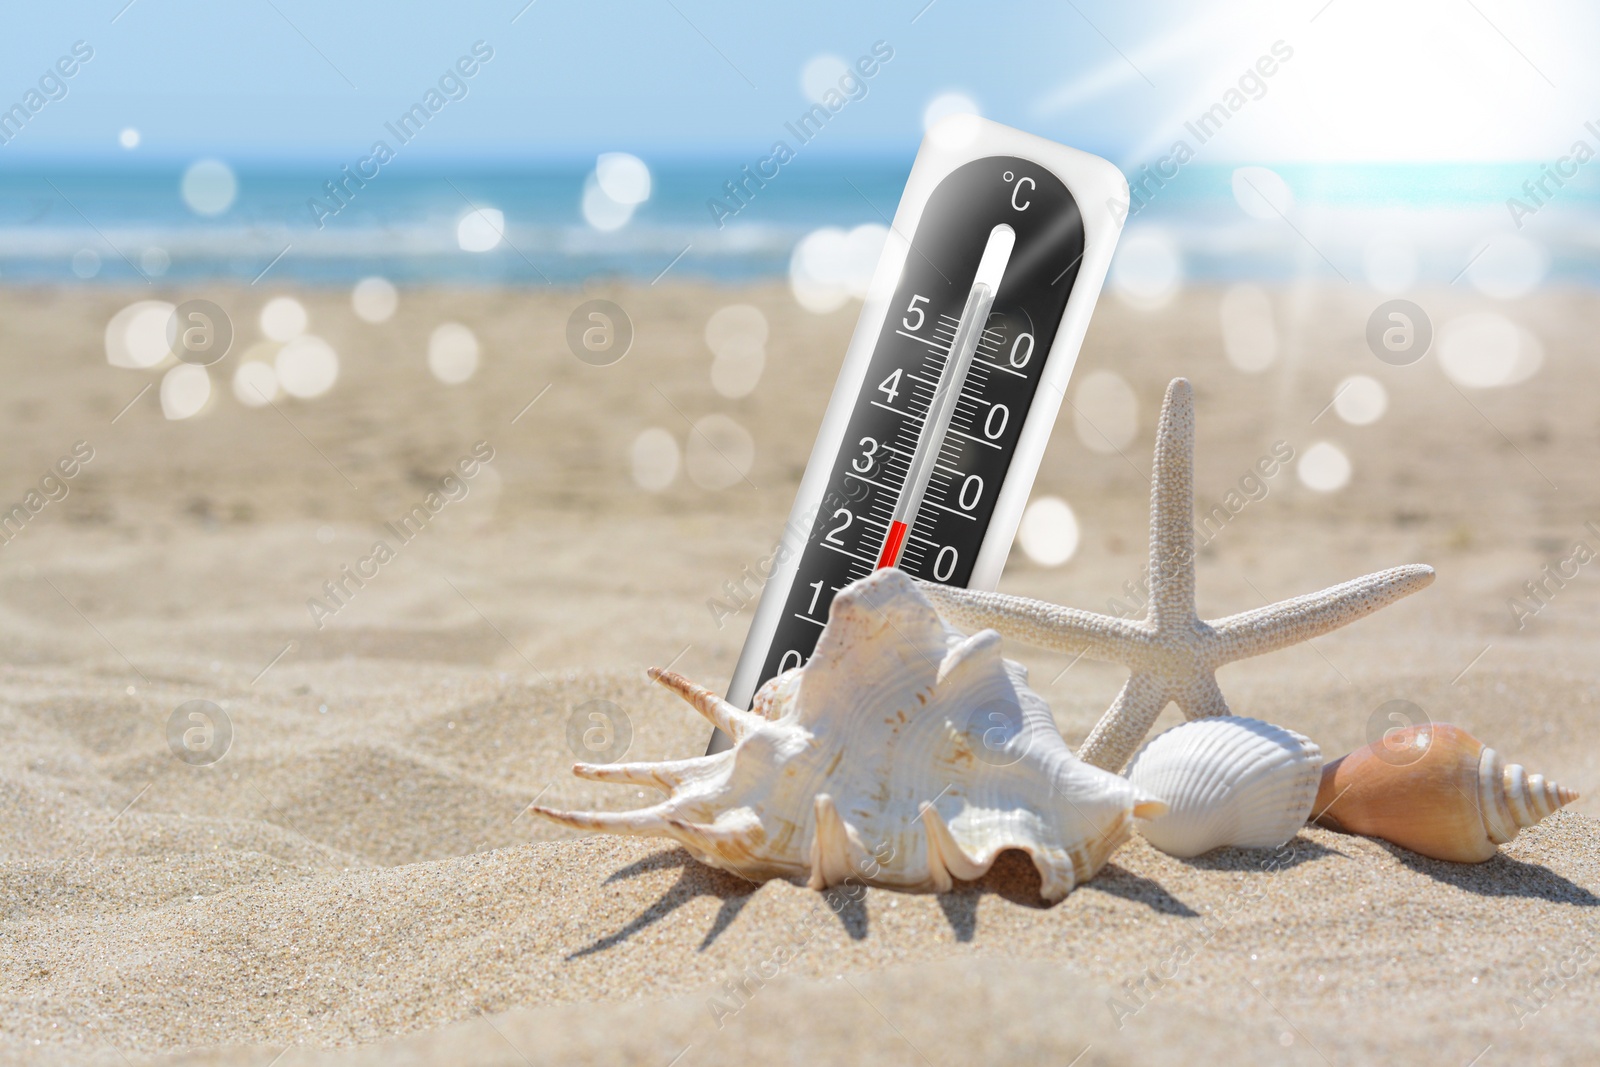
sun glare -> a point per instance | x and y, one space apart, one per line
1362 81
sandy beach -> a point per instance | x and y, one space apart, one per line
356 880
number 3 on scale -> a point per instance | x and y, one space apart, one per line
863 463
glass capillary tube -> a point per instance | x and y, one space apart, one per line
952 378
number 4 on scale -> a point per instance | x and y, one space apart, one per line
891 386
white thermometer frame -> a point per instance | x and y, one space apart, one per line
1100 190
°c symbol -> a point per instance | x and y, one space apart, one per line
1007 176
1018 191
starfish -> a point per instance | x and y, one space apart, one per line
1172 653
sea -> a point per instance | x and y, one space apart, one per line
76 224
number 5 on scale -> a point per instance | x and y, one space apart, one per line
918 312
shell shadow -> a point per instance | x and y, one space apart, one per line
1120 882
1014 879
849 903
694 880
697 880
1293 853
1502 876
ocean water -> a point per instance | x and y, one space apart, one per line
133 226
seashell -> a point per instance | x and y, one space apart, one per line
1226 781
902 754
1436 790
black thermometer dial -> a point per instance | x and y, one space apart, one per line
856 527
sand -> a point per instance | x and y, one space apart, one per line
356 879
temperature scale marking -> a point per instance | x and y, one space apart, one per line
929 518
934 434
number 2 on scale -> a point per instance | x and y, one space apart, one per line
832 535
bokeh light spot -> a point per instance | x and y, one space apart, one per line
622 177
481 229
737 336
600 211
1049 531
1484 349
283 318
738 373
654 459
736 328
1105 411
1249 335
1360 400
374 299
830 266
136 336
719 453
307 367
255 384
820 75
1148 269
453 353
209 187
1324 468
185 389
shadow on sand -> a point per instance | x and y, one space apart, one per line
1012 878
1501 876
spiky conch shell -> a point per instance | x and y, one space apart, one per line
902 755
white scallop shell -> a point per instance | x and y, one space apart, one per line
1227 781
902 754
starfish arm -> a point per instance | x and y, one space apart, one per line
1123 727
1034 622
1202 697
1288 622
1172 510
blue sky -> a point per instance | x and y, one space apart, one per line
263 80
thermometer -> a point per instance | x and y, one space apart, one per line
952 381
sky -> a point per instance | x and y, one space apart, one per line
295 80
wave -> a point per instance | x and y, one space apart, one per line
132 228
